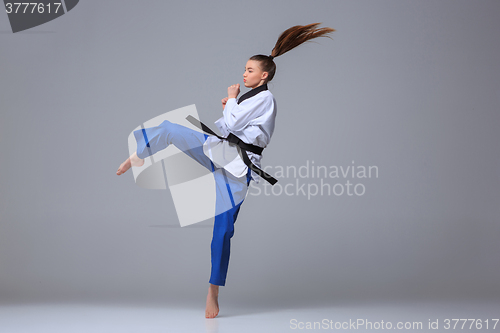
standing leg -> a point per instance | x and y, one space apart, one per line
221 245
221 241
224 227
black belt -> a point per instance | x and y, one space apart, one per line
243 147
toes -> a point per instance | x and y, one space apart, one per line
211 315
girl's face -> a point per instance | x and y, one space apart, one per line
253 76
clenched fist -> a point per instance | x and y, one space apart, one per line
233 91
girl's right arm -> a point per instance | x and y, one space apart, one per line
224 101
237 116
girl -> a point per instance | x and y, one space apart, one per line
247 125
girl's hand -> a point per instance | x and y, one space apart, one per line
224 101
233 91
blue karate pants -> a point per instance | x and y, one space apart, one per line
153 139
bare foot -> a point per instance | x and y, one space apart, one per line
124 167
212 309
133 160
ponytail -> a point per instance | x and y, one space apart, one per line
288 40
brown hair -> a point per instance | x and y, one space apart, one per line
288 40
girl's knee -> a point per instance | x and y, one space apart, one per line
170 130
167 124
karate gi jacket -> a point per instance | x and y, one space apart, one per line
251 118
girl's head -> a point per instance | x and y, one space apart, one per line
255 72
260 68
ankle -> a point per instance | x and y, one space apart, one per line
213 289
136 161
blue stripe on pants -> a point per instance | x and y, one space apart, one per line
153 139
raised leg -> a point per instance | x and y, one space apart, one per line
153 139
133 160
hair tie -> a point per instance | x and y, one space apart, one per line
270 56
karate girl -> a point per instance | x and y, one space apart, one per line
251 119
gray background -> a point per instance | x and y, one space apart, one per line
409 86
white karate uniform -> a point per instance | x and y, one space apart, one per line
251 119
